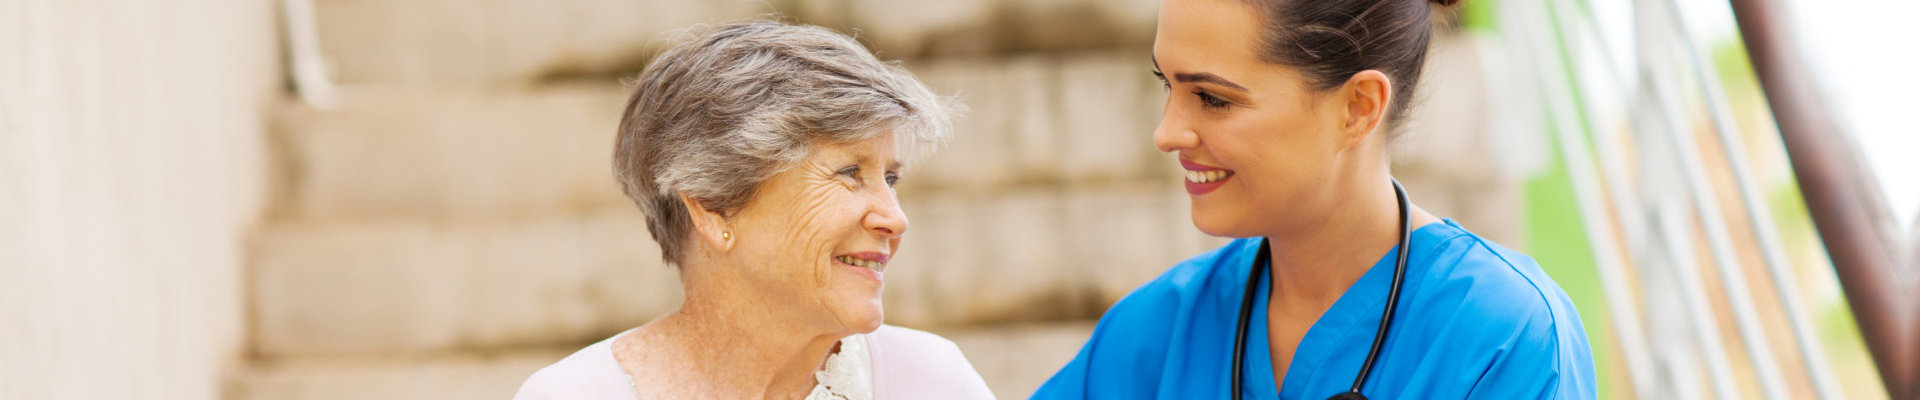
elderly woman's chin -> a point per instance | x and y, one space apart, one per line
859 313
852 296
856 298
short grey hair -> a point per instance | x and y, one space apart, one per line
714 117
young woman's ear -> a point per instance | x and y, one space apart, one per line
709 226
1367 94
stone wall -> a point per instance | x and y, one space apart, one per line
131 158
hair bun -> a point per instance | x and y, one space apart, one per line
1445 2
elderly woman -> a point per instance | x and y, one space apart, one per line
764 156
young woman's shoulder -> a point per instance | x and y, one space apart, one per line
1499 284
1503 316
911 364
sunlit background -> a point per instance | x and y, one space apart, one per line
365 199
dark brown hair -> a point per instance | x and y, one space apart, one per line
1329 41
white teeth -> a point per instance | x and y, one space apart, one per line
873 265
1206 176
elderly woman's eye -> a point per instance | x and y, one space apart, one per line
852 174
893 178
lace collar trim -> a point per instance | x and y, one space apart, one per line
848 374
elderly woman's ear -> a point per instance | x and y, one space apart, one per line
708 225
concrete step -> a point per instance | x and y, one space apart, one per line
451 376
477 153
463 43
508 42
1456 158
932 28
397 152
1014 359
1047 119
420 286
1041 254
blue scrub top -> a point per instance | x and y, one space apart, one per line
1476 320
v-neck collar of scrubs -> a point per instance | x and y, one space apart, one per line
1357 312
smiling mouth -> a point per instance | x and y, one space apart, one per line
876 266
1207 176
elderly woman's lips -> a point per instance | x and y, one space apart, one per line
871 269
872 261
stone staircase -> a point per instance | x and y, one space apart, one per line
453 224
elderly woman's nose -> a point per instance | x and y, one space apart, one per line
886 218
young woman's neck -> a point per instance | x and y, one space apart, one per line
1315 261
743 348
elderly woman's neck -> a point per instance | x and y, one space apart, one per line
736 349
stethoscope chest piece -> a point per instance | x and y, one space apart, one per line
1348 396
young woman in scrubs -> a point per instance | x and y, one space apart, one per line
1280 112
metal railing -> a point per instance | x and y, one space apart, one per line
1647 224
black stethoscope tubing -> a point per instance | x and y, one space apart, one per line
1379 335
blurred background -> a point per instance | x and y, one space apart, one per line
412 199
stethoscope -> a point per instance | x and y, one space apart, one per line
1379 336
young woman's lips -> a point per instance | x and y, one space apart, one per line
1201 179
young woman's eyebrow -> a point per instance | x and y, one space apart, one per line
1192 77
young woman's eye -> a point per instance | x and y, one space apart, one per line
893 178
1163 80
1208 100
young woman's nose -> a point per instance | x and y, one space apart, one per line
1174 134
